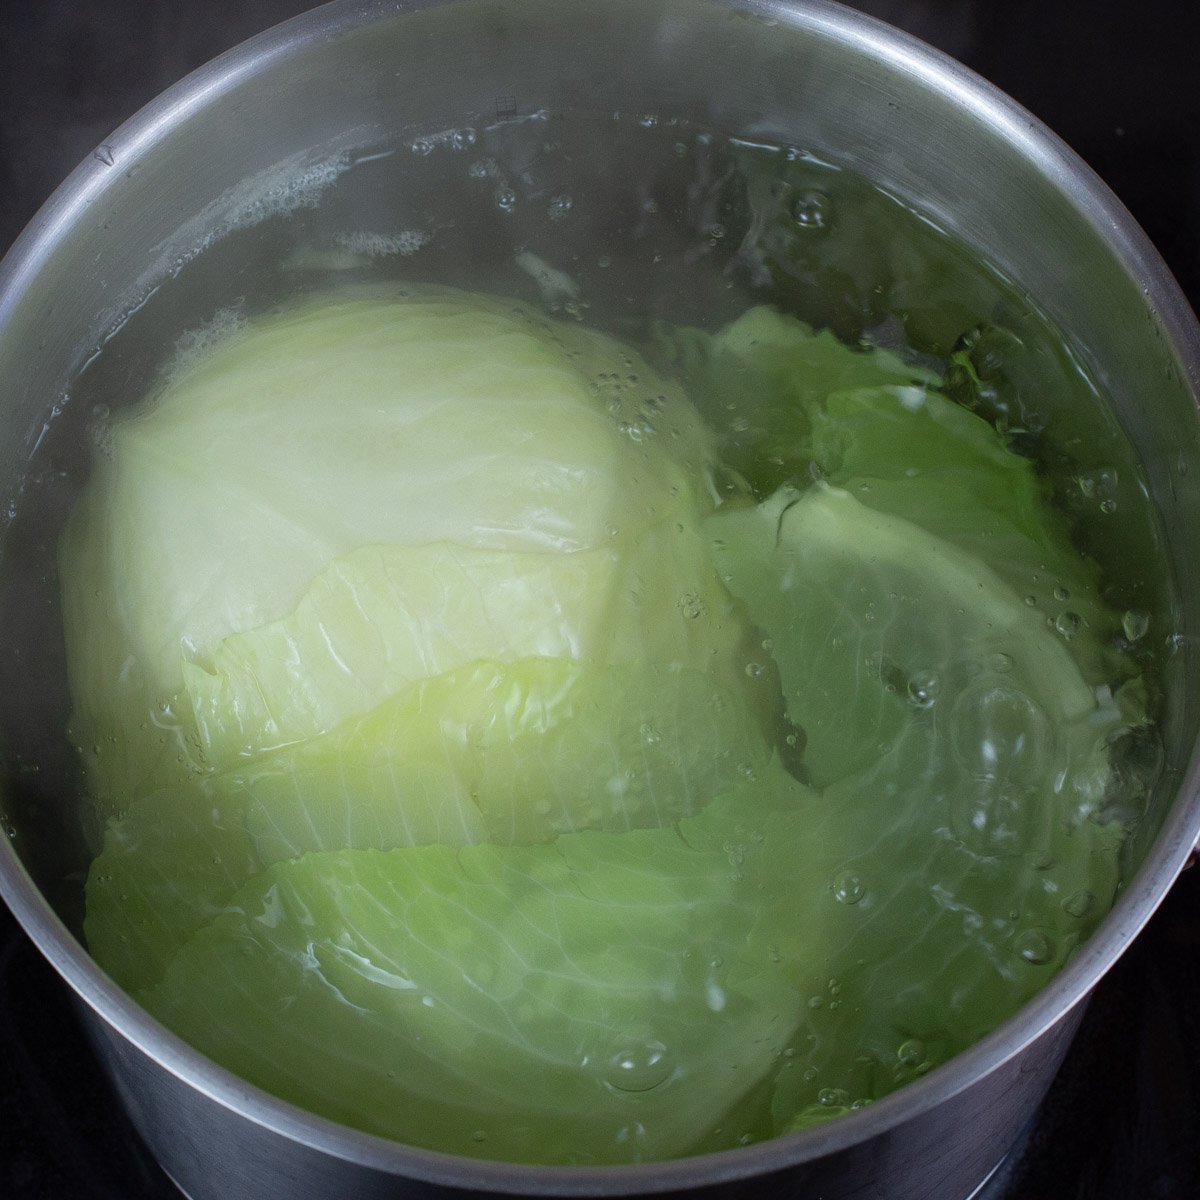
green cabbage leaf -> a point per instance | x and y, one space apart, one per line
601 998
508 753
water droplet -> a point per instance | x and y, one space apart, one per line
1108 506
832 1097
754 670
923 688
1067 624
911 1052
506 199
648 120
639 1065
1035 948
479 1136
422 146
848 888
1061 593
650 735
559 207
716 230
1079 905
1135 624
812 210
104 154
816 1001
999 662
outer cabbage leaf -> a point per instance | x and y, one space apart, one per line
965 761
585 1001
932 939
383 419
913 453
503 752
879 628
384 616
758 380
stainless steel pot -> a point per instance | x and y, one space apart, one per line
173 179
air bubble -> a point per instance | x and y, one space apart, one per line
911 1052
1067 624
923 689
832 1097
506 199
1000 733
1079 905
848 888
1035 948
811 210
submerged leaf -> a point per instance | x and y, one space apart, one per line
507 753
566 1003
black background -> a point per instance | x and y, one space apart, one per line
1119 80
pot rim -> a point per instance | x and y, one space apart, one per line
1046 154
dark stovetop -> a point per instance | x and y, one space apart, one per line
1117 81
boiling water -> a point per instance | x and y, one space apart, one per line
632 223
